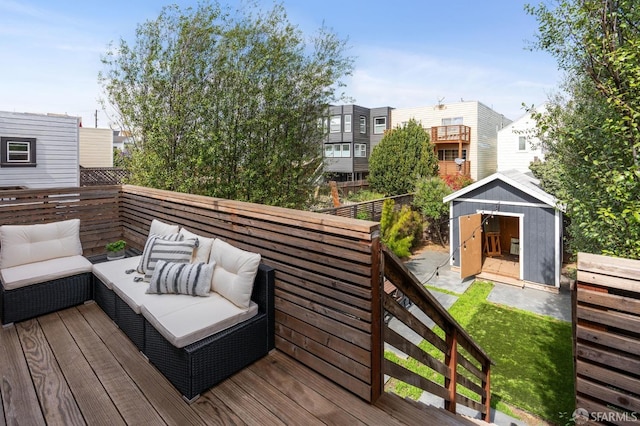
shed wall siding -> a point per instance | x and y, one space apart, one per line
57 146
96 147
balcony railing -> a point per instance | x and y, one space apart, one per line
451 134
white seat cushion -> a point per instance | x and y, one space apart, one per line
24 244
46 270
184 320
112 271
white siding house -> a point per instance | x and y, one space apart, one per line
38 150
483 122
517 147
96 147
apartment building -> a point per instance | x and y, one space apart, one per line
465 135
352 131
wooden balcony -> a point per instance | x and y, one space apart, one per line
76 367
451 134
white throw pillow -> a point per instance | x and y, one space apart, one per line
22 244
234 273
160 228
202 253
170 251
181 278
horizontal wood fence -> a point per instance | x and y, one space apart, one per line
368 210
606 303
459 363
102 176
96 207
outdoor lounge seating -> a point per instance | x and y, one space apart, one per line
42 269
195 342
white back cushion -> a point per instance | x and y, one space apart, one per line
203 251
234 273
160 228
22 244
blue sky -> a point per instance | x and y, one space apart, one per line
408 53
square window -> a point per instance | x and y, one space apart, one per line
18 152
328 150
360 150
379 125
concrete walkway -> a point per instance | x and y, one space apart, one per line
432 268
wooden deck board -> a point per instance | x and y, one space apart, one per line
77 367
94 403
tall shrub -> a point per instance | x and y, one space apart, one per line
400 230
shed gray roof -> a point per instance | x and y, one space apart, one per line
516 179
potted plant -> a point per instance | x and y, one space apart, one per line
115 250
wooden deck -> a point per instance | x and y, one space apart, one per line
76 367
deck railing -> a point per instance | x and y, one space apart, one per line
464 369
451 134
606 304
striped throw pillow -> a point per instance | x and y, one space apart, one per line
146 252
181 278
170 251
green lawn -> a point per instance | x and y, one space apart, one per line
534 365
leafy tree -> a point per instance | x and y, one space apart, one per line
400 230
225 103
591 131
428 200
403 155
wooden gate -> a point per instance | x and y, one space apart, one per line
470 245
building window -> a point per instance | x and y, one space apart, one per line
347 123
336 150
379 125
450 154
335 125
363 124
522 143
360 150
18 152
451 121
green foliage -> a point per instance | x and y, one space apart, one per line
428 200
592 131
364 195
403 155
225 103
116 246
120 159
400 230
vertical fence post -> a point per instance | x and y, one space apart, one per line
451 359
486 385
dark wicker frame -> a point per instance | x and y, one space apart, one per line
201 365
105 298
39 299
131 323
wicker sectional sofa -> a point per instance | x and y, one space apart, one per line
195 342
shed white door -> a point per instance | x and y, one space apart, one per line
470 245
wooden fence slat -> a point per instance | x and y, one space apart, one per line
399 372
607 375
399 342
606 394
612 301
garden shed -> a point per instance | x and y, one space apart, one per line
505 227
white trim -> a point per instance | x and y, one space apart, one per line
520 217
451 260
505 203
558 246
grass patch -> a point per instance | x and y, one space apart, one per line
533 356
